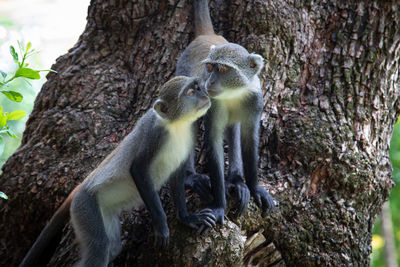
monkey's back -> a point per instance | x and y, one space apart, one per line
112 181
189 63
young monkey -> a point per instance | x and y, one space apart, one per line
156 149
230 74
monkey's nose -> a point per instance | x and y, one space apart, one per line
209 84
205 97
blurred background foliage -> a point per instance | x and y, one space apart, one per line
48 25
378 240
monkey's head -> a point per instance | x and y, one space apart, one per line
182 98
230 68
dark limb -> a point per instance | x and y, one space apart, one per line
89 226
200 221
152 201
250 141
235 183
215 161
197 182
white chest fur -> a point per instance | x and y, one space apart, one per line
232 99
172 153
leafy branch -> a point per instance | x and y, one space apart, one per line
22 72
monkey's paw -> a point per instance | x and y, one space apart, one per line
201 221
201 185
161 237
242 193
219 214
263 199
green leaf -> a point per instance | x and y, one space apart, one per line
2 144
28 46
4 74
10 132
13 53
16 115
27 73
3 120
49 70
2 195
12 95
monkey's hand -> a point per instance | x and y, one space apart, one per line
200 221
263 199
242 193
200 184
218 214
161 236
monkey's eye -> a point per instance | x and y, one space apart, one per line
209 67
197 87
190 92
222 68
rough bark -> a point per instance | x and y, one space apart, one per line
331 99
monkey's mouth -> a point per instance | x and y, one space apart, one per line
212 92
205 105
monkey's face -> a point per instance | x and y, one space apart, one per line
224 80
230 70
182 98
193 101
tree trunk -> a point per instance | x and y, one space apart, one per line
331 98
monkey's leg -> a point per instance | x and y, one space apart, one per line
215 160
235 183
113 230
249 140
199 221
197 182
89 229
148 193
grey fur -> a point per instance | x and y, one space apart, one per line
156 149
230 75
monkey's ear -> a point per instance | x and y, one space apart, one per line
161 108
256 62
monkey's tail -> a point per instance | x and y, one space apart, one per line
39 254
202 20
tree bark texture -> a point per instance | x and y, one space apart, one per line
331 98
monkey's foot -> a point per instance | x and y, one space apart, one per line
263 199
161 237
218 214
242 194
200 184
200 221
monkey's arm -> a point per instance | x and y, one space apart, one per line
235 181
152 201
250 139
215 160
201 220
198 182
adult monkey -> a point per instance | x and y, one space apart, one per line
157 148
230 74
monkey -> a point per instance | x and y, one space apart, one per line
230 74
156 149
